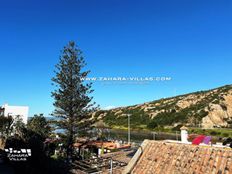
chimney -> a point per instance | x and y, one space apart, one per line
184 134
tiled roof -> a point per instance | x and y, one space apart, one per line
123 156
173 158
99 144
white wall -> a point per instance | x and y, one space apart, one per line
16 110
184 136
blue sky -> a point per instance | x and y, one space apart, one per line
189 41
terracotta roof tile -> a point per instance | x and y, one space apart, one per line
173 158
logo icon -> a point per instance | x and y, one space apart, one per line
18 154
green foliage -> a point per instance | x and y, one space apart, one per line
99 112
168 111
9 125
201 114
168 118
38 162
73 104
177 128
213 133
137 117
152 124
222 132
18 124
225 135
216 101
39 124
6 125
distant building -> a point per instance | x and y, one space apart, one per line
14 111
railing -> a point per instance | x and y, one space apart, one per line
97 165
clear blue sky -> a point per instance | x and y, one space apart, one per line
189 40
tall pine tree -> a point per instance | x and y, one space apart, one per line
72 102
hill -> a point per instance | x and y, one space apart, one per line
206 109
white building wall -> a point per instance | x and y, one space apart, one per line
16 110
184 136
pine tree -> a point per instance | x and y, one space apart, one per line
40 125
72 102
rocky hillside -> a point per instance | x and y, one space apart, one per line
208 109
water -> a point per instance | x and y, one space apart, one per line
138 136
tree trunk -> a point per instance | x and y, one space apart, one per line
70 146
